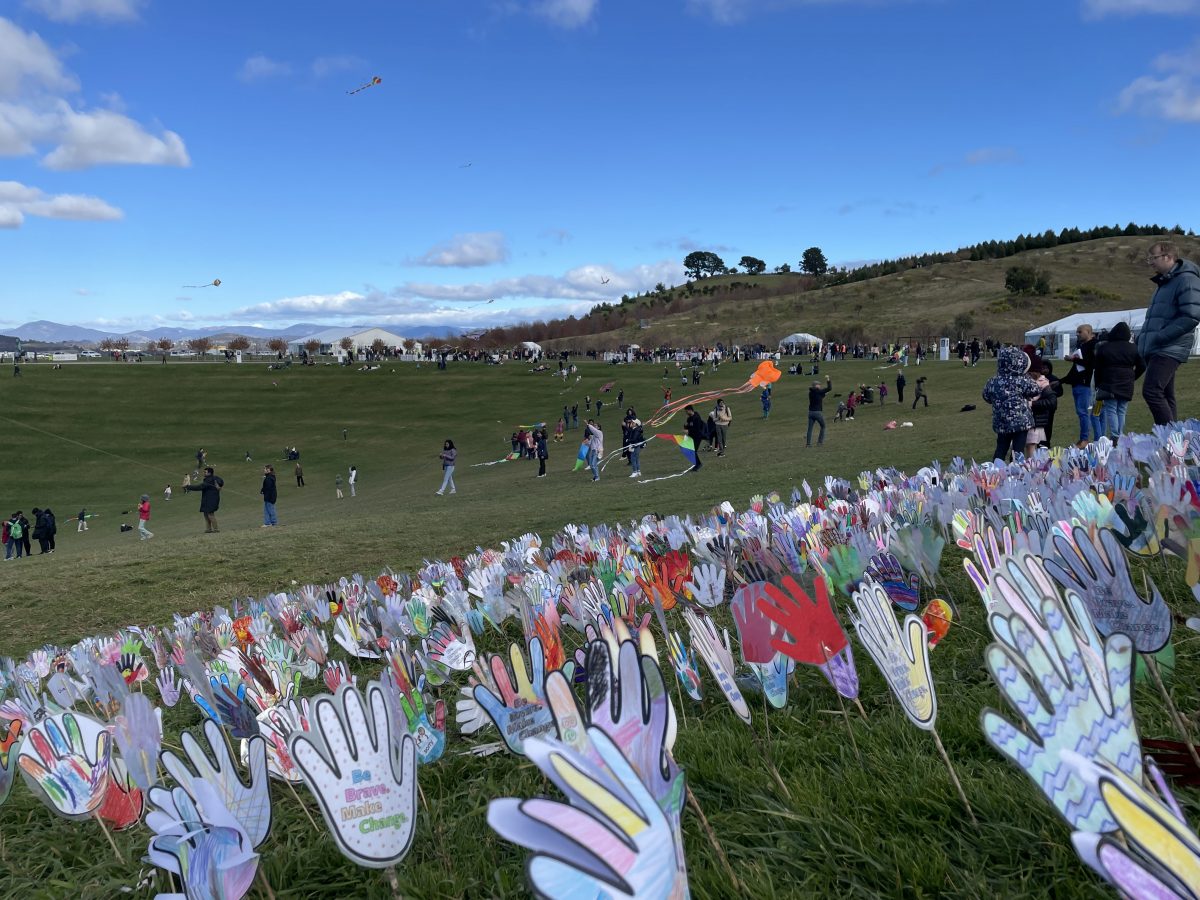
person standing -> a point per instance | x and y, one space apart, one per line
1083 365
1166 338
765 398
353 479
1009 393
816 410
25 530
299 475
448 456
11 536
1118 366
39 530
636 439
210 498
595 441
722 418
337 483
144 532
694 426
270 495
82 519
167 493
543 453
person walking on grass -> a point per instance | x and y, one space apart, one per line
210 498
144 532
722 419
337 484
595 441
299 475
635 438
270 495
353 479
82 519
816 410
901 381
1009 393
921 395
1166 338
448 456
543 453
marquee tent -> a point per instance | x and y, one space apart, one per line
800 340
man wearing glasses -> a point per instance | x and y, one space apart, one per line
1080 377
1166 338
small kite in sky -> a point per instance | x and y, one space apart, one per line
216 282
467 166
605 280
362 87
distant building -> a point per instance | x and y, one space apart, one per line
331 340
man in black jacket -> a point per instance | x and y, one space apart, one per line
1083 364
694 426
269 495
1118 366
816 410
210 497
1168 332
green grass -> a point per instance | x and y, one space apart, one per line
884 821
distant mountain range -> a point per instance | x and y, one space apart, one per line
56 333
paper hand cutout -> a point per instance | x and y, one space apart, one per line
168 686
364 779
65 760
123 801
904 590
1100 575
901 655
1084 714
610 840
707 585
754 626
1159 854
201 843
9 745
718 656
814 633
519 710
249 803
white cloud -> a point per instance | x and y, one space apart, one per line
74 10
19 200
419 304
566 13
1173 94
327 65
981 156
731 12
465 251
38 116
260 66
104 137
26 60
1095 9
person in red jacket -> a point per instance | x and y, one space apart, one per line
144 532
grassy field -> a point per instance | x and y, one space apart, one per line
918 305
880 821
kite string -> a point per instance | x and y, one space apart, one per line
128 459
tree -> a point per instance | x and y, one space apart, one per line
814 262
312 345
165 344
239 343
378 347
200 345
752 265
700 263
660 288
106 344
121 344
1021 279
786 267
277 345
346 343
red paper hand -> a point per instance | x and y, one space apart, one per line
812 625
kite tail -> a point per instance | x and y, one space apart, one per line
668 410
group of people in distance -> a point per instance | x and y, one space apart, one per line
16 533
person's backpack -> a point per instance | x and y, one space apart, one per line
15 531
125 526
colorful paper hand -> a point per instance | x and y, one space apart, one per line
249 803
364 779
1081 713
754 627
519 710
718 656
610 840
408 708
201 843
1098 571
902 656
904 590
9 745
64 761
811 627
707 585
168 686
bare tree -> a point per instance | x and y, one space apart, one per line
121 344
240 343
200 345
378 347
107 344
312 345
277 345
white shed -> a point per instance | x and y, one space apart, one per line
796 342
330 339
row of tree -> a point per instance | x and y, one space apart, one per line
705 263
202 345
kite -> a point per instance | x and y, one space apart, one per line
605 280
362 87
607 387
686 446
581 459
764 375
216 282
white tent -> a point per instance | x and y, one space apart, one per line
801 339
1061 332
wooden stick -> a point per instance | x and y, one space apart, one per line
861 711
1152 667
770 765
390 871
716 845
292 788
111 842
266 884
953 775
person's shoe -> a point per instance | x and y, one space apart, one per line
439 493
455 491
722 453
543 475
633 474
595 479
1082 445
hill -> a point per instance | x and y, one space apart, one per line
964 298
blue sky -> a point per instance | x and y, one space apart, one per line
523 151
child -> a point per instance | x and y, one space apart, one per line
144 533
883 392
851 404
1043 409
1009 393
558 429
766 401
167 492
337 483
921 395
353 479
82 521
841 412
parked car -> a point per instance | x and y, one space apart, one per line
90 354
